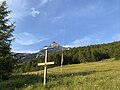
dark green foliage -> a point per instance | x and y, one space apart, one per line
28 66
20 81
90 53
6 29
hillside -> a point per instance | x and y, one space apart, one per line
91 53
102 75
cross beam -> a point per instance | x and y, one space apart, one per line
45 66
42 64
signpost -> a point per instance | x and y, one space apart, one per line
45 65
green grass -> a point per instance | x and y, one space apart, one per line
20 81
103 75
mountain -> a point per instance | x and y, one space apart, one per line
53 47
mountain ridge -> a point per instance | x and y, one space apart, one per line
53 47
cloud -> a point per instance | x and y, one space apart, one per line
80 42
24 51
75 13
96 38
27 39
97 9
19 9
58 18
34 12
85 11
2 0
43 2
116 37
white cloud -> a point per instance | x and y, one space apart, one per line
43 2
76 13
19 9
58 18
97 39
116 37
2 0
87 40
34 12
27 39
80 42
25 51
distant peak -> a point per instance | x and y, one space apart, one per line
54 44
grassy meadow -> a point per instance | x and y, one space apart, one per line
103 75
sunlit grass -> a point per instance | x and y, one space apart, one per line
103 75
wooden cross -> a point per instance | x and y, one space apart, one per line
45 66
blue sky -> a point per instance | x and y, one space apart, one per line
71 23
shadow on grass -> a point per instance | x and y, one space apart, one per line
20 81
52 77
83 73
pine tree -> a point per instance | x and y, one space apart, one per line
6 29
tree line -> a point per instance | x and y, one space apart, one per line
91 53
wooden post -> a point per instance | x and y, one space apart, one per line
45 67
62 59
